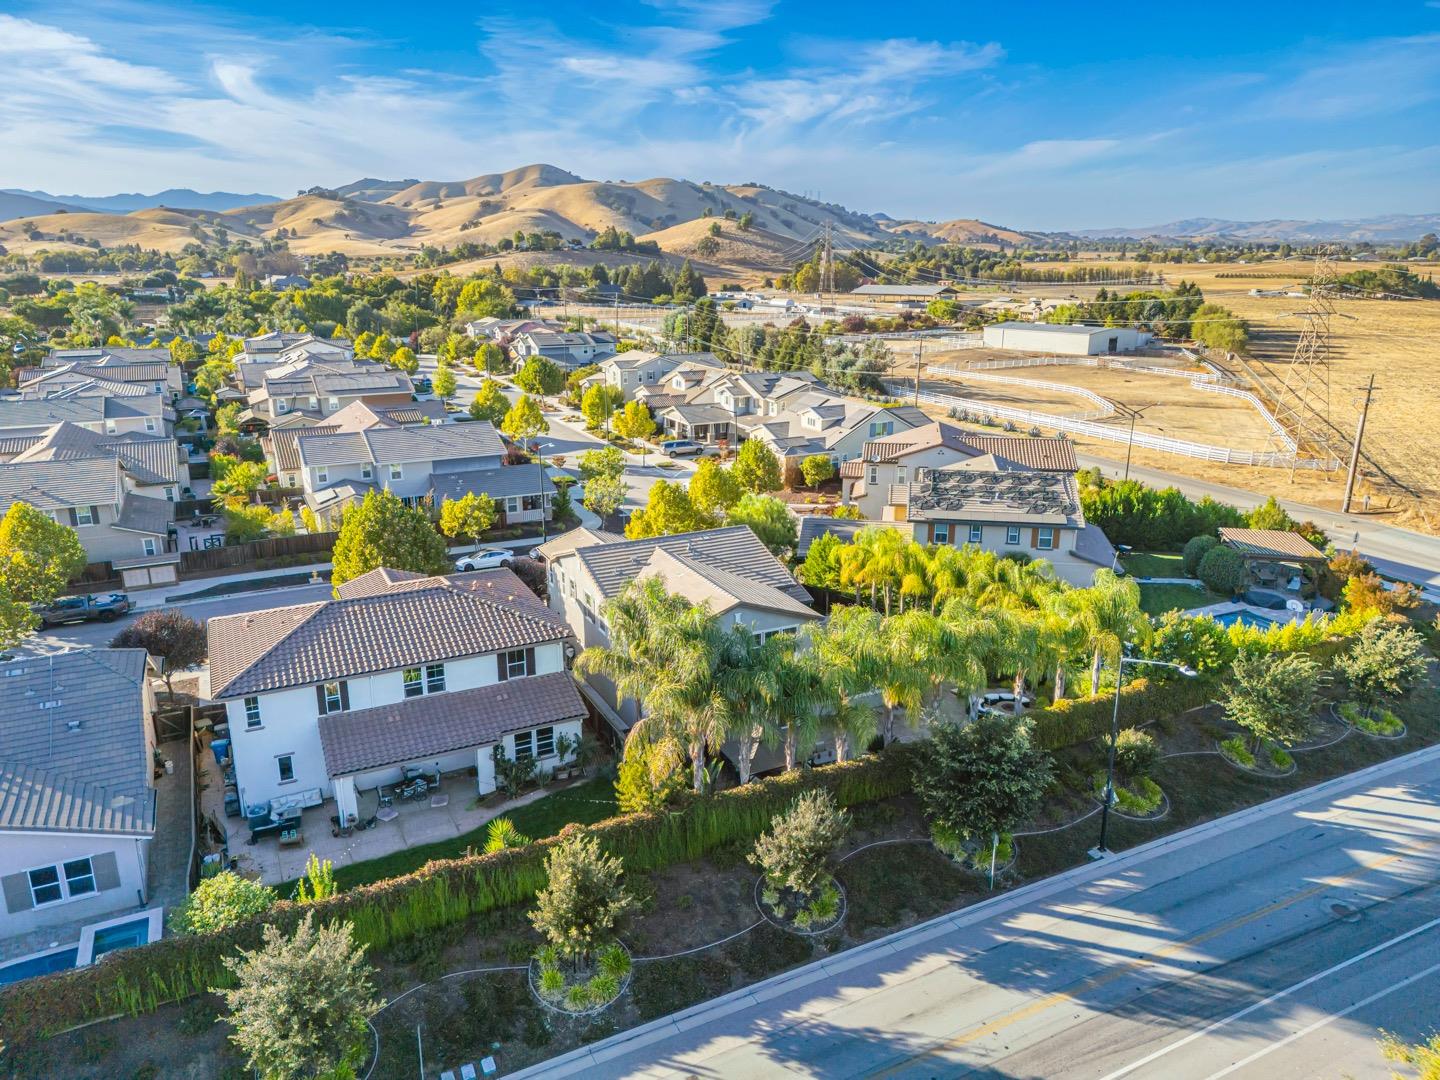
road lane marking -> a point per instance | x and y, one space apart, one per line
1311 980
1104 978
1318 1024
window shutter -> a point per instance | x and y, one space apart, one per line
529 661
95 515
320 698
503 668
107 870
1034 538
74 518
344 696
17 892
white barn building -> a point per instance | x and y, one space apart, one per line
1068 340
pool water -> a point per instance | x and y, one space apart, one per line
61 960
125 936
1245 618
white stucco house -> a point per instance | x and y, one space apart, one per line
335 697
77 802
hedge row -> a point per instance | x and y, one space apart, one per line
1074 720
438 894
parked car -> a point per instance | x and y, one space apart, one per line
102 607
681 447
485 558
422 384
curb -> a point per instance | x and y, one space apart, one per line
574 1062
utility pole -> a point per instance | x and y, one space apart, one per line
1355 450
919 351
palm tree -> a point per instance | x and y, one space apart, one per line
924 652
749 680
802 694
1107 615
845 646
665 653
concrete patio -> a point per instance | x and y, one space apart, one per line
415 823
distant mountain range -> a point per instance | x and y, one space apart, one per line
1392 228
175 198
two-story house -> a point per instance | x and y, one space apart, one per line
88 407
905 455
728 569
312 390
569 349
77 797
335 697
995 505
149 368
629 371
282 447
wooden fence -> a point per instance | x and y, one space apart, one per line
240 555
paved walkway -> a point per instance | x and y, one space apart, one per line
168 879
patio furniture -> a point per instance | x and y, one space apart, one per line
292 836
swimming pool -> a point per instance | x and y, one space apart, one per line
39 964
1245 618
124 936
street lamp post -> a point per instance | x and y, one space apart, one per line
1135 414
1108 796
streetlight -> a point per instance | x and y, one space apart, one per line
1108 796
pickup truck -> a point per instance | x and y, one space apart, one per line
104 607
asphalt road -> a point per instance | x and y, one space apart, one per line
1277 947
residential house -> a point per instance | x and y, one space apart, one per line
568 349
865 480
118 492
629 371
727 568
331 698
88 407
503 331
77 801
421 464
311 390
150 368
282 449
998 506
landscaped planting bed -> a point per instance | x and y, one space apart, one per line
892 874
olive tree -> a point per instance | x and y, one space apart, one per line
1384 664
795 853
1272 696
584 898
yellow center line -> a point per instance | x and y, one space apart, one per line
1059 997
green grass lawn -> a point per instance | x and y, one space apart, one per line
1153 564
1158 599
592 801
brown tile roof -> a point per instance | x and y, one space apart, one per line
433 725
1270 544
1044 454
413 621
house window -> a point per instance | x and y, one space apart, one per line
414 682
147 545
882 427
282 406
874 474
79 877
84 515
1012 534
314 402
900 474
530 502
544 742
252 712
397 472
150 425
169 494
1045 539
366 472
45 886
434 678
51 884
513 664
109 427
322 476
286 764
512 505
976 532
524 745
332 403
940 534
333 697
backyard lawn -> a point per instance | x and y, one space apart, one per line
1158 599
1153 564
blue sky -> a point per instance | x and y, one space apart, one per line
1032 115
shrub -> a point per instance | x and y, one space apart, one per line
1384 663
1279 759
603 988
1235 749
552 983
502 834
1272 696
583 898
1222 571
1141 799
221 901
1071 721
981 779
1196 548
615 961
1135 753
795 853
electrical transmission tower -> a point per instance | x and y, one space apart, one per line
1302 404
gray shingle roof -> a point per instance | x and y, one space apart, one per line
499 483
150 459
394 445
92 778
54 485
335 639
814 526
701 583
438 724
142 515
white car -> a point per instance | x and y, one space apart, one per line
485 558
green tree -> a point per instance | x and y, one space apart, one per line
604 495
816 469
713 488
383 531
301 1004
241 480
404 359
470 516
168 634
1196 548
583 899
1222 570
1197 641
1383 664
244 523
524 421
635 423
310 521
490 403
1106 615
769 519
490 359
667 511
981 780
598 403
1271 515
540 376
221 901
756 468
1272 696
227 418
444 384
650 776
796 851
607 461
38 555
318 881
